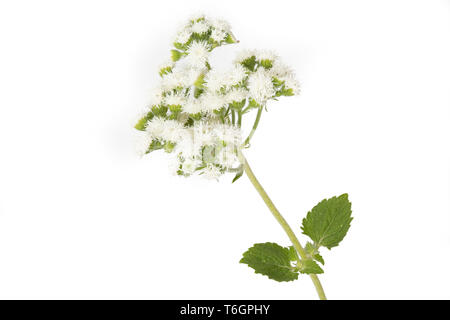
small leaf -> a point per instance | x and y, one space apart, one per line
313 252
271 260
293 256
168 147
310 267
238 175
328 222
319 258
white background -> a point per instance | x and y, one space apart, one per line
81 216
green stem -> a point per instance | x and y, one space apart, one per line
255 125
239 122
283 224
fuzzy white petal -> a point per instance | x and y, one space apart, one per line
199 27
266 55
198 53
211 172
243 55
260 86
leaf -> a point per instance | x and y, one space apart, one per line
328 222
271 260
319 258
293 256
310 267
237 176
313 252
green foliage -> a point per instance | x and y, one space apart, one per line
165 70
155 145
142 123
249 63
199 83
267 64
229 39
293 254
175 109
179 46
168 147
176 55
271 260
328 222
160 111
309 266
238 175
198 92
313 252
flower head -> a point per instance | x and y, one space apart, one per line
199 27
260 86
198 53
196 112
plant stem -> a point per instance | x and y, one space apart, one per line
255 125
298 247
239 122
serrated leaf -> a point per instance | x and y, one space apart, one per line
271 260
313 252
310 267
319 258
293 256
328 222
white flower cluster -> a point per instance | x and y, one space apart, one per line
196 112
208 146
